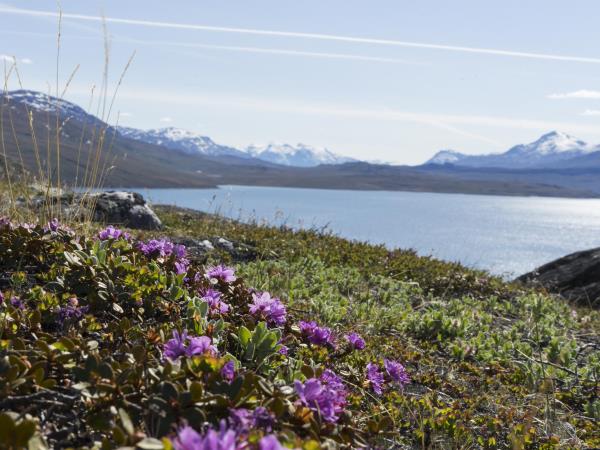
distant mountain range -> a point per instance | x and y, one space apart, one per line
299 155
552 150
555 165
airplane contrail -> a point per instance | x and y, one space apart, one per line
301 35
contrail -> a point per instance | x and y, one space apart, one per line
273 51
315 36
263 50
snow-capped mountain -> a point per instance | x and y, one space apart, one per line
180 140
299 155
39 102
549 150
446 157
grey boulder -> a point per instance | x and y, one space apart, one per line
128 209
575 277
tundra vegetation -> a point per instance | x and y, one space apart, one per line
113 338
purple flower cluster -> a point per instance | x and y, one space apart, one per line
215 304
220 273
268 308
244 420
17 303
5 222
53 225
179 346
162 248
315 334
72 312
181 266
223 439
228 371
394 372
375 378
355 341
189 439
111 232
325 395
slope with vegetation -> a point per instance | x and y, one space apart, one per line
313 342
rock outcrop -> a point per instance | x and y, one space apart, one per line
128 209
575 277
122 208
199 250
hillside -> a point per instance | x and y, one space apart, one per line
451 358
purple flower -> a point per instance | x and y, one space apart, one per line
244 420
179 251
157 247
199 346
181 266
228 371
53 225
269 308
5 222
178 346
316 335
396 372
29 226
16 302
375 377
111 232
71 312
174 348
220 273
356 342
216 305
325 396
270 442
283 350
189 439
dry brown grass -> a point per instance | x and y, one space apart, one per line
34 195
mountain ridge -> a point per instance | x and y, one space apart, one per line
546 152
134 163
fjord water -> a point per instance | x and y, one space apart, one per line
504 235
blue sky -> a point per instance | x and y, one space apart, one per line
379 80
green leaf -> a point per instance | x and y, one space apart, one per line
7 427
245 336
126 421
23 432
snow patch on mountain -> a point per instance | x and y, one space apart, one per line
299 155
181 140
41 102
446 157
547 151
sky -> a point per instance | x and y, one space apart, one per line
385 80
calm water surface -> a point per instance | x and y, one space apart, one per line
505 235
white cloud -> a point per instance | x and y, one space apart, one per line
300 35
293 106
125 114
166 119
591 112
12 60
582 93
